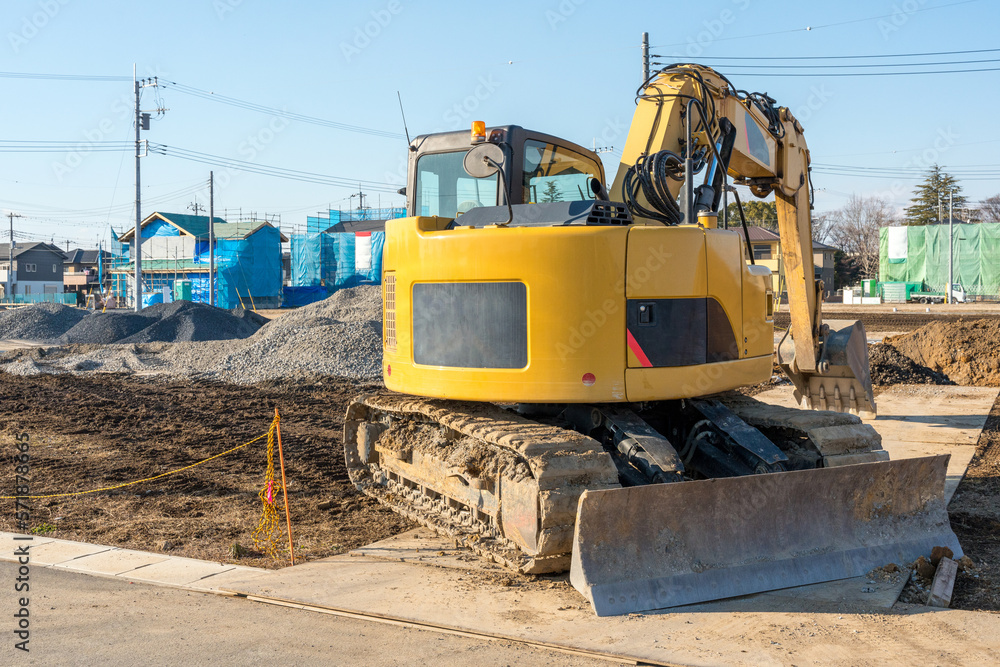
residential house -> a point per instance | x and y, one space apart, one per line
823 261
175 248
82 270
766 246
38 268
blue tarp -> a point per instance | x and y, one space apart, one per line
150 298
159 228
330 260
293 297
248 269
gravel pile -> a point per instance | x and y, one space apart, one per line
40 321
340 336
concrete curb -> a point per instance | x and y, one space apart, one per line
116 563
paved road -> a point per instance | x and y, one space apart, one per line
78 619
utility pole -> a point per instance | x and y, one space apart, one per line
211 238
645 57
602 149
141 123
10 258
137 241
939 206
196 207
951 244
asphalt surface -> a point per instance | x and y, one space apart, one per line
77 619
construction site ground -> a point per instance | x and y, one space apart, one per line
90 430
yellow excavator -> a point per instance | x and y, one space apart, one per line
560 362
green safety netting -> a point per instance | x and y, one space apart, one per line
976 257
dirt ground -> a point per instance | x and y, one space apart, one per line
878 321
965 351
975 518
100 430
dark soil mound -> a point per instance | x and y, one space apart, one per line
109 327
890 366
165 323
186 321
40 321
967 350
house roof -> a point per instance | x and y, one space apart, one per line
760 234
25 247
241 230
197 226
189 225
356 226
80 256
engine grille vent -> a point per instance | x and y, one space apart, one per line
389 311
609 213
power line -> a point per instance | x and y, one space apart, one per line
823 74
267 170
865 65
63 77
281 113
858 57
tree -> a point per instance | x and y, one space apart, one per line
855 230
990 210
822 227
924 207
551 192
759 213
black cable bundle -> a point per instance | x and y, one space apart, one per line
650 174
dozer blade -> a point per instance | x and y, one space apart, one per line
651 547
844 382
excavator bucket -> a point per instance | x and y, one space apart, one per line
844 382
663 545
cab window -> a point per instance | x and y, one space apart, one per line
555 173
444 188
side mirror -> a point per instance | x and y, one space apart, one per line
484 160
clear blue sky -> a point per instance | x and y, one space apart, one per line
566 67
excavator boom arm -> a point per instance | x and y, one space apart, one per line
691 128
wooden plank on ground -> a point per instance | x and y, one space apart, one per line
943 584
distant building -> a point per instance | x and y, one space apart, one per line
766 247
82 270
353 226
824 263
38 268
175 248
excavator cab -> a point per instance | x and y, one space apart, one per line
533 168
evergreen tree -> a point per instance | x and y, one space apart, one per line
759 213
551 192
924 207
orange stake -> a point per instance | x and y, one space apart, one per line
284 489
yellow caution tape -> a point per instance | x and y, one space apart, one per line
267 535
148 479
